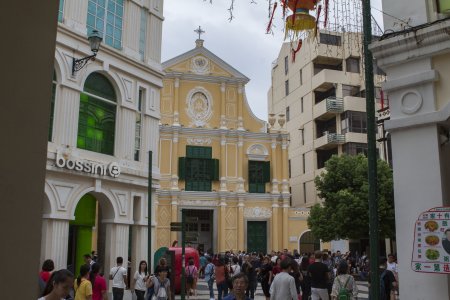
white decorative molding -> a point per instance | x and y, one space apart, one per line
285 187
199 203
199 105
200 65
257 152
122 200
128 86
174 183
62 191
257 212
199 141
275 186
240 185
223 184
411 101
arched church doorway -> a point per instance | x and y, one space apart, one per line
308 243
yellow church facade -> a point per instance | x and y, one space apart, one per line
219 163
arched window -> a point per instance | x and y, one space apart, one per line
97 120
52 107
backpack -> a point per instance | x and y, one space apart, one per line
190 277
343 293
383 286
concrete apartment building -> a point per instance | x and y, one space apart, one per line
104 119
322 96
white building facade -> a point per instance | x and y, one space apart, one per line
104 121
415 53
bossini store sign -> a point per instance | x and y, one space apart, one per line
65 161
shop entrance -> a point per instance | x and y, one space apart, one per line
204 228
87 232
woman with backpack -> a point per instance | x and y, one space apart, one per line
160 285
344 285
191 278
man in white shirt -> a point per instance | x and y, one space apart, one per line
283 285
118 275
391 264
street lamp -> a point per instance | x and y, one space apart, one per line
94 41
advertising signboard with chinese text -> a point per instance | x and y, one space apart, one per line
431 251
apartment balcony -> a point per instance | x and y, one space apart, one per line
327 108
329 140
354 103
355 137
325 79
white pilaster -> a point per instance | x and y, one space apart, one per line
55 241
117 244
67 108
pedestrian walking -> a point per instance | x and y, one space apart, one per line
265 273
222 286
248 268
191 278
58 286
319 274
240 284
118 275
99 290
283 285
235 267
305 284
139 280
160 285
46 271
82 285
344 284
210 277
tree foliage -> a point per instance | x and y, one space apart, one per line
344 189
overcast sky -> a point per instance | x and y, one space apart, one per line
242 43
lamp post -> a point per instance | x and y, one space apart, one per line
94 41
371 155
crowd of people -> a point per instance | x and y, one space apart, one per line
229 276
321 275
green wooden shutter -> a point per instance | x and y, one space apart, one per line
266 171
215 169
182 168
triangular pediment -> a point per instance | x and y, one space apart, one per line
200 61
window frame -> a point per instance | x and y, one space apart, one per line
257 182
106 15
113 109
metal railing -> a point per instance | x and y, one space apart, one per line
336 138
335 104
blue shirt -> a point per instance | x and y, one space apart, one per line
209 270
203 261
